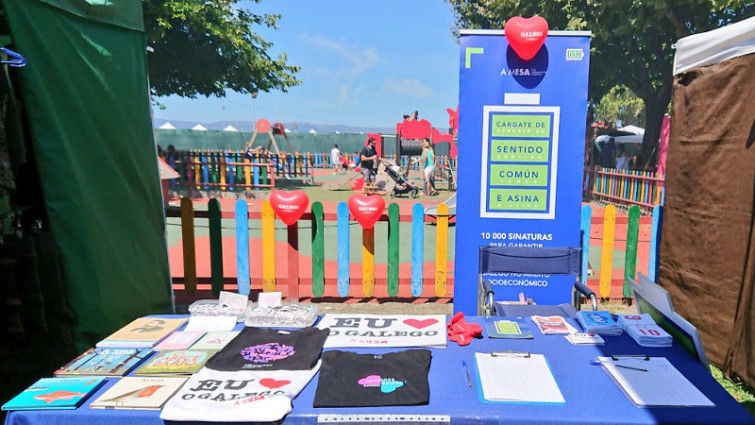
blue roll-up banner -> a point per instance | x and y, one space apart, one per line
521 156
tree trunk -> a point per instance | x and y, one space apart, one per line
655 108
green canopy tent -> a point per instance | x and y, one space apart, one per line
87 106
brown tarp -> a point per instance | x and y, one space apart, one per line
707 260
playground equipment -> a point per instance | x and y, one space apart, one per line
285 164
409 136
401 183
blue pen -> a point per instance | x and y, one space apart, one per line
466 372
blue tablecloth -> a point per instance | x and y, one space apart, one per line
591 397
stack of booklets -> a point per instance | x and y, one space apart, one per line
144 332
599 322
139 393
104 362
55 393
643 329
584 338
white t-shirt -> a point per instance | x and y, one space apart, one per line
622 162
334 156
247 396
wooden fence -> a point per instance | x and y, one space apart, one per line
624 187
190 287
293 286
604 285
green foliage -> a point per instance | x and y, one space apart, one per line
743 394
631 39
620 105
205 47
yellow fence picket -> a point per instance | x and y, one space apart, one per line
441 251
268 247
606 258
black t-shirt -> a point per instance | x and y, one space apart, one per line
270 349
349 379
368 152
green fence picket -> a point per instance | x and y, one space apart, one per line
318 250
216 247
393 249
630 262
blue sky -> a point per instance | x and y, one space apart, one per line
363 63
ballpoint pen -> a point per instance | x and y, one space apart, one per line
466 372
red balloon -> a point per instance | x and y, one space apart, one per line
526 35
289 205
366 209
262 125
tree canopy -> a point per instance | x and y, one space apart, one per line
205 47
632 40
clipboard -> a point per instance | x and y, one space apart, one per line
652 382
513 377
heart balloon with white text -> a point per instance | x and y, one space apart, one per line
289 206
526 35
366 209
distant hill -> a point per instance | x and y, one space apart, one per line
301 127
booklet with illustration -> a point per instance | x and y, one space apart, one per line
513 329
175 362
104 362
553 325
55 393
144 332
139 393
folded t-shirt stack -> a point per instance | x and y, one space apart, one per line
252 379
349 379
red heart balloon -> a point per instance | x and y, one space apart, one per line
526 35
289 205
366 209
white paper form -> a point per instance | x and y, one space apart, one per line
653 382
517 377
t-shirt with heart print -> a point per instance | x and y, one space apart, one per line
349 379
270 349
246 396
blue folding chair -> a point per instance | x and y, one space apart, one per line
531 261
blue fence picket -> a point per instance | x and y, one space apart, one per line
242 246
585 222
655 241
342 214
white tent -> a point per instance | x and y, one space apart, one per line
633 129
199 127
715 46
312 131
167 126
287 131
230 128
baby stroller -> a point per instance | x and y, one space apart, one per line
403 184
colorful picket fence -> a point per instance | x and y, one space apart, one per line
625 187
605 286
219 170
291 285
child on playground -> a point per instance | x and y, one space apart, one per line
427 162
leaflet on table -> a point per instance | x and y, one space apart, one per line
55 393
178 341
138 393
509 329
643 329
553 325
175 362
144 332
599 322
104 362
215 340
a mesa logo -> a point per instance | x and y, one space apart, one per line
522 72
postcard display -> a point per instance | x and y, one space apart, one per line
521 156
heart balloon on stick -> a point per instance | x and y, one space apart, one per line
289 205
366 209
526 35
